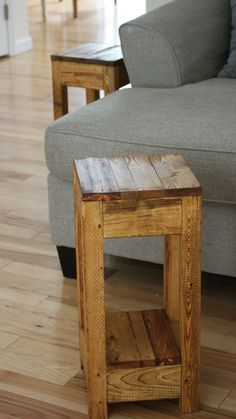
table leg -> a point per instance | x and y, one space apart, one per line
91 95
114 78
60 94
79 268
111 79
95 338
75 8
190 284
44 11
171 282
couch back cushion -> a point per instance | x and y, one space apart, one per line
182 42
229 69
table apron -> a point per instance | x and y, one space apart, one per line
149 217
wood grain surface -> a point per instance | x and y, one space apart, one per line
79 268
190 296
94 308
143 217
160 335
136 176
128 344
140 338
172 282
147 383
92 53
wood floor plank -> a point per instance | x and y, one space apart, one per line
43 238
25 246
3 262
13 286
229 404
35 323
212 396
162 409
219 359
214 334
16 231
21 296
218 377
34 271
7 218
28 257
72 397
20 407
6 339
41 360
58 308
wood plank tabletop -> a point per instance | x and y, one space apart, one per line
154 176
90 53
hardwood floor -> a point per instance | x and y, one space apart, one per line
39 364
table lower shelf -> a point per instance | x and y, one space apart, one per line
143 361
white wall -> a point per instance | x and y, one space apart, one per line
153 4
18 32
3 31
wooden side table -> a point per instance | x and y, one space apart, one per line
92 66
151 354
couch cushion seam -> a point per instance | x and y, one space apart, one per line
129 141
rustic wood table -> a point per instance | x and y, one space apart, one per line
150 354
91 66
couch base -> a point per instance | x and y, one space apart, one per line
67 259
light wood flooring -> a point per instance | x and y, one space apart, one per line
39 364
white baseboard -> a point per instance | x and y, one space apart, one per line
21 45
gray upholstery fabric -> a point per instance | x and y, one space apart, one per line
196 120
219 232
181 42
184 41
229 69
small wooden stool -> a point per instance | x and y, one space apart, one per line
92 66
151 354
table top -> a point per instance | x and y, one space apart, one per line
91 54
133 177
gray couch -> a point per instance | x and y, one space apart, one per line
176 104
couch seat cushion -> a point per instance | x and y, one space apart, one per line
197 120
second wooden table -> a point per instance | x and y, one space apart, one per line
92 66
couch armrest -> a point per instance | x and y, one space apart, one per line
184 41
